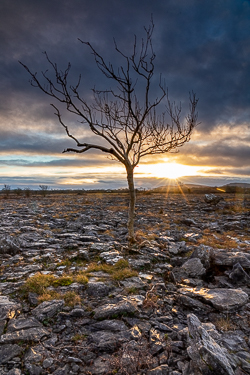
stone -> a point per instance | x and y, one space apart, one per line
111 257
8 309
109 325
101 365
108 342
14 371
230 258
156 339
233 341
30 334
23 323
194 304
203 253
238 275
220 298
98 289
133 282
193 267
36 354
160 370
125 307
2 325
8 351
47 309
206 354
212 199
48 362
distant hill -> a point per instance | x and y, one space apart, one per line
176 187
237 184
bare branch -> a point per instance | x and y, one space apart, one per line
124 116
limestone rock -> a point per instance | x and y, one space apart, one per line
221 298
193 267
8 309
160 370
98 289
238 275
48 309
8 351
206 354
230 258
30 334
114 310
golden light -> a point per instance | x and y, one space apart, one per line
169 170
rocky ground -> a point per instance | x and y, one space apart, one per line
75 299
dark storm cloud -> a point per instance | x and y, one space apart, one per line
216 153
200 45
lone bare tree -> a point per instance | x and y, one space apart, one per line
125 117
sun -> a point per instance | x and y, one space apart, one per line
169 170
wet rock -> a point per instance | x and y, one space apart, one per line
221 298
207 356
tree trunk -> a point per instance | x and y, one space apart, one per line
131 210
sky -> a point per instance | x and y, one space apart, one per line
200 46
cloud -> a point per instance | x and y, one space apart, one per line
200 45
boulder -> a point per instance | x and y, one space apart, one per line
124 307
209 357
8 309
238 275
230 258
48 309
8 351
212 199
222 299
193 268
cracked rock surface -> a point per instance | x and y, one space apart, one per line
76 299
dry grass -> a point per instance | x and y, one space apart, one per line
220 241
119 271
118 208
142 235
40 283
225 324
71 298
81 278
79 337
